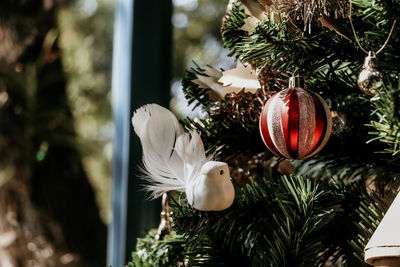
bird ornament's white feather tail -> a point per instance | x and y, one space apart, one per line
171 156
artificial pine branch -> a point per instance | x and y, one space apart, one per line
231 29
366 219
292 221
272 223
387 118
273 44
151 252
194 94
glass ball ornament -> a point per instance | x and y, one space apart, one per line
370 78
295 123
338 122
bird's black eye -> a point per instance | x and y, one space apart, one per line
221 172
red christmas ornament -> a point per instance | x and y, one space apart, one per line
295 123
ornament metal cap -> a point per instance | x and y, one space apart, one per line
371 61
297 81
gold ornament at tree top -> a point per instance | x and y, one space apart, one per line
369 80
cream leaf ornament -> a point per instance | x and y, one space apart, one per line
241 77
254 8
250 24
175 160
211 82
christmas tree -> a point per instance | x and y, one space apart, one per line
299 199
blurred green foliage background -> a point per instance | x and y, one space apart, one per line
86 40
196 25
86 29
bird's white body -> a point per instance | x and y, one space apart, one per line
175 160
213 189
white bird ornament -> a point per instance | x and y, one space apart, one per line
175 160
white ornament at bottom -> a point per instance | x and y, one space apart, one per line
383 249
